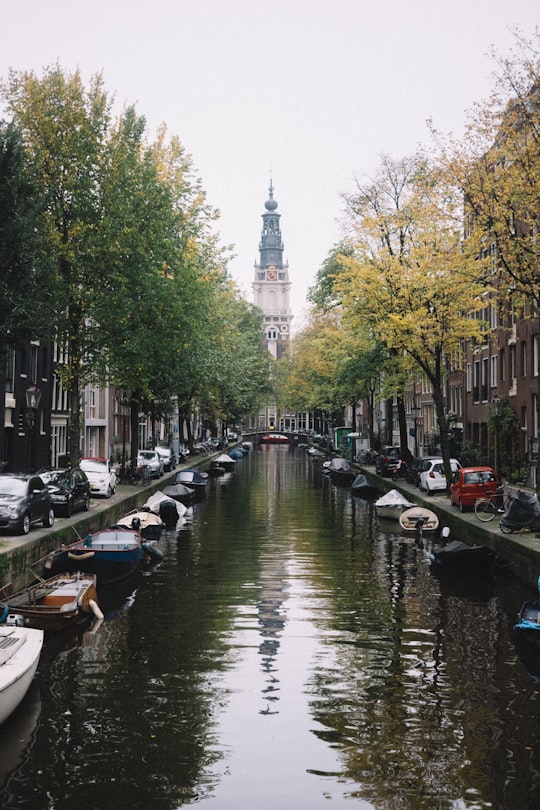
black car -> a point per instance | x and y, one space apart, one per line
387 460
70 490
24 500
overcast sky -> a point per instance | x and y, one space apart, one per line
310 91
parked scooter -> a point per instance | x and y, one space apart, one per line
400 470
523 512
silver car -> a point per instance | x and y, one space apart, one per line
152 459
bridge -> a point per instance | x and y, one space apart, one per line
294 438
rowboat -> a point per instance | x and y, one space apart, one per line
55 603
169 510
410 518
460 557
20 648
111 554
144 520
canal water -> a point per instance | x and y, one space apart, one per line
290 651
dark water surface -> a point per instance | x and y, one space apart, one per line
290 651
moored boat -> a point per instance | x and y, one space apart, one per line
392 504
111 554
193 479
145 521
409 519
55 603
527 628
20 648
275 438
457 556
169 510
341 472
224 462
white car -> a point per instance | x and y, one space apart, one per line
101 475
151 459
432 477
167 456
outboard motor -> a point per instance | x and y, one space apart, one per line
136 524
445 534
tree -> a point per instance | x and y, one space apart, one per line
412 279
64 130
25 289
497 167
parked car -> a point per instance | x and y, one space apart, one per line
167 456
471 483
432 477
70 490
152 459
387 460
414 468
24 500
101 475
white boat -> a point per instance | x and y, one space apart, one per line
410 518
20 648
392 504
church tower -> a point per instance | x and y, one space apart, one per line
272 286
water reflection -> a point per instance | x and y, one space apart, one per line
291 650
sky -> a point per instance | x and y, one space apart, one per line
308 93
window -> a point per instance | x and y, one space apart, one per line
523 358
534 354
272 334
10 368
494 371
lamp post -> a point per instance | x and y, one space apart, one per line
33 397
496 415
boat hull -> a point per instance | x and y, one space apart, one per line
54 604
112 555
527 629
20 648
459 557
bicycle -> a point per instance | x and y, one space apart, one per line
487 508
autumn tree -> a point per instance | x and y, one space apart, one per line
497 167
413 280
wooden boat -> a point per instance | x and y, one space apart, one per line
527 628
55 603
169 510
111 554
145 521
20 648
409 518
363 488
391 505
457 556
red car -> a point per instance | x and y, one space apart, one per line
471 483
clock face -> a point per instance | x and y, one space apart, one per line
271 275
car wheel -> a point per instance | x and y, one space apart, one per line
86 503
24 525
69 508
48 519
109 491
461 507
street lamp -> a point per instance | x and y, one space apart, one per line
33 398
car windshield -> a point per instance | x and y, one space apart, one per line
13 486
55 477
94 466
147 454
